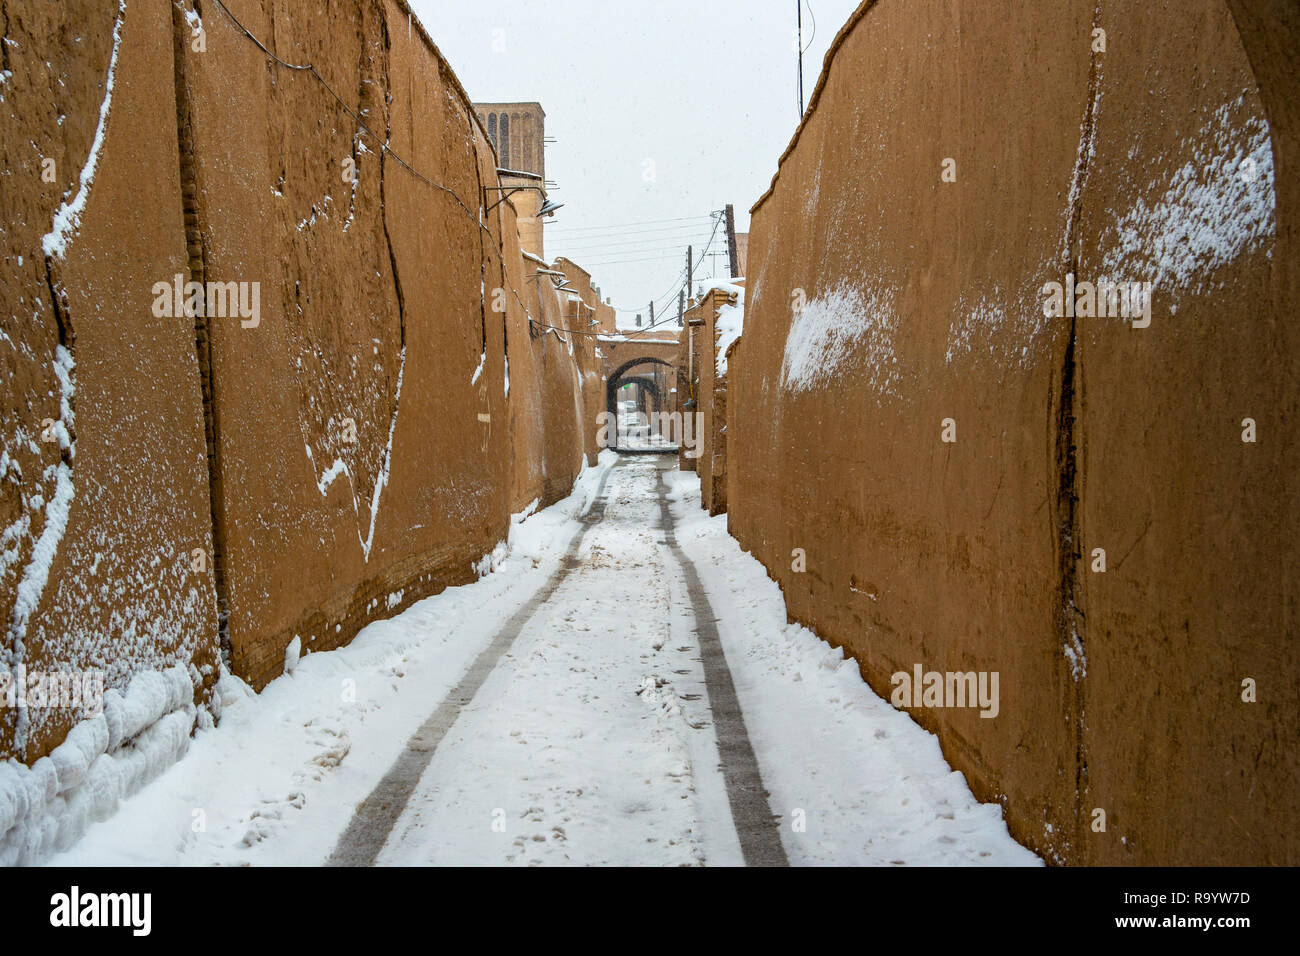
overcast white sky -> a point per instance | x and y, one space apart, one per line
703 89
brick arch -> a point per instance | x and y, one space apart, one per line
616 377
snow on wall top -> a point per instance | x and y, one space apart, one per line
730 326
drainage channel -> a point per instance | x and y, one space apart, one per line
378 813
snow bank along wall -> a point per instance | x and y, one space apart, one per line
354 438
892 307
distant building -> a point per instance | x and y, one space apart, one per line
517 130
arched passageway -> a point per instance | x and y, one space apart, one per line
620 378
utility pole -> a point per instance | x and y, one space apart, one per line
652 313
798 13
681 307
732 252
690 271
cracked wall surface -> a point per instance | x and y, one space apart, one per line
98 526
191 488
1120 690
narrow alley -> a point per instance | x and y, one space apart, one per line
758 435
564 710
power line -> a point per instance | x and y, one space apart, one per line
635 255
622 250
654 244
385 149
657 257
708 245
645 222
716 217
620 233
673 240
654 325
665 297
799 5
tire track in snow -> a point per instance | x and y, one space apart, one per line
756 826
376 816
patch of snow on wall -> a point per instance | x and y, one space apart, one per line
849 327
67 219
36 575
331 473
1082 161
1219 204
730 326
995 324
382 480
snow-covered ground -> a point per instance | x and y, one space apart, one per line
591 741
635 432
873 785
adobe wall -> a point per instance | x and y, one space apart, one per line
383 310
698 366
591 309
354 449
1119 690
103 478
687 363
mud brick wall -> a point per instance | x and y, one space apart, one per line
351 449
709 454
885 299
705 373
391 322
556 353
591 309
687 385
716 447
103 474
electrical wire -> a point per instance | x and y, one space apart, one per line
666 297
622 234
717 222
651 242
385 148
618 227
